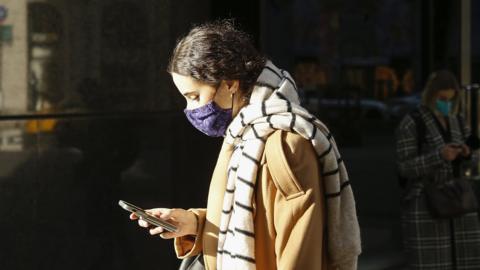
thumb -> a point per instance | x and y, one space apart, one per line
173 214
168 235
167 214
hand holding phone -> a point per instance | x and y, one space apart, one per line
462 148
147 217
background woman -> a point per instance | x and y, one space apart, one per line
434 156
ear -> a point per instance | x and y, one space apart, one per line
232 86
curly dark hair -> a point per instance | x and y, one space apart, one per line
218 51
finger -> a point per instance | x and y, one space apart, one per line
156 211
156 230
451 153
454 150
168 214
457 152
167 235
143 223
453 147
133 216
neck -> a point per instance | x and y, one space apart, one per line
239 101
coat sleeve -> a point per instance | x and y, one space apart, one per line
298 204
191 245
410 163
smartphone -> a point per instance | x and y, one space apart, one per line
147 217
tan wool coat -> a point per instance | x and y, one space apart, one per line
289 208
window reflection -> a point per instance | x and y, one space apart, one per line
124 63
45 61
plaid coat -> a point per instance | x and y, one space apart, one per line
433 243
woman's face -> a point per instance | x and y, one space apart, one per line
446 95
199 94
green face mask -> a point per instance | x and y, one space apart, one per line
444 107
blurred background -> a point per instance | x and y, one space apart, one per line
89 115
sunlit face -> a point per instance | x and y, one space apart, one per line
446 95
198 94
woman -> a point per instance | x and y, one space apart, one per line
430 242
266 204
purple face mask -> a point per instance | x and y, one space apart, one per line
210 119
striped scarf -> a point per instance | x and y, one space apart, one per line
274 104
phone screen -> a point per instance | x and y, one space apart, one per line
148 218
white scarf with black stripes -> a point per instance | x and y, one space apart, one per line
274 104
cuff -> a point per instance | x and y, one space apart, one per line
350 264
191 245
436 157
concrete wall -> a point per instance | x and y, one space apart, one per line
13 75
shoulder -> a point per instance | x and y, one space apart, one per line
293 147
292 163
408 122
